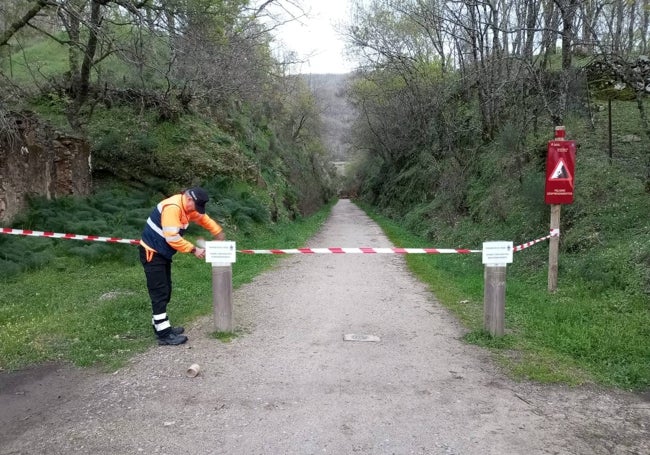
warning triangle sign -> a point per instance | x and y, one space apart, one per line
560 172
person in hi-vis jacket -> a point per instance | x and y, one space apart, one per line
161 238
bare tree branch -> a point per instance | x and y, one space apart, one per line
23 21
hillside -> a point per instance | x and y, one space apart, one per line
336 112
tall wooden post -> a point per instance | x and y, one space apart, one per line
222 297
609 130
554 248
559 187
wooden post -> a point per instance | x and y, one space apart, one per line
222 296
221 254
609 130
496 256
553 248
494 299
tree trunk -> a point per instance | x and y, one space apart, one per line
587 29
532 10
646 129
630 27
550 32
644 26
81 58
568 10
617 39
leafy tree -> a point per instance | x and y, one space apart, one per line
207 58
441 80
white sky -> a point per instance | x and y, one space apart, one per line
314 38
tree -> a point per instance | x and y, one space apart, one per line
495 66
209 51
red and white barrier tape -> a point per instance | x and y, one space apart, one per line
57 235
523 246
362 250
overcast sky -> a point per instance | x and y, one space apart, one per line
315 39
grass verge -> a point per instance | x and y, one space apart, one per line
574 336
99 313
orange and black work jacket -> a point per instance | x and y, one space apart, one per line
166 225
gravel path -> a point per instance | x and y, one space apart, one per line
291 384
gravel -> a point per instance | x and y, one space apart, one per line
402 382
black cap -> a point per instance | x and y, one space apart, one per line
200 197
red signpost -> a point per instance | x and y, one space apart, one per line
560 167
560 170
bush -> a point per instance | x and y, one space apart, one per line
112 212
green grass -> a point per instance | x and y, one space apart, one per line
98 313
577 335
41 64
225 337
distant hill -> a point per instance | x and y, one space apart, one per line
336 113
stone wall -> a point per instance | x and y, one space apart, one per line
37 160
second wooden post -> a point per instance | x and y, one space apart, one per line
554 248
222 297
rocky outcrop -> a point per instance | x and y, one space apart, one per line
617 75
36 160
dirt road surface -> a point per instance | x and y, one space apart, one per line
291 384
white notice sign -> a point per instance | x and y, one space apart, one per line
497 253
221 252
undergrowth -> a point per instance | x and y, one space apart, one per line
586 332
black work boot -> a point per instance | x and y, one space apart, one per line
175 330
172 339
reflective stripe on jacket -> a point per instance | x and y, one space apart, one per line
167 223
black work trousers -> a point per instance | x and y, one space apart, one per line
158 272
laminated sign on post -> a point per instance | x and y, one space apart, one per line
560 165
220 252
497 254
